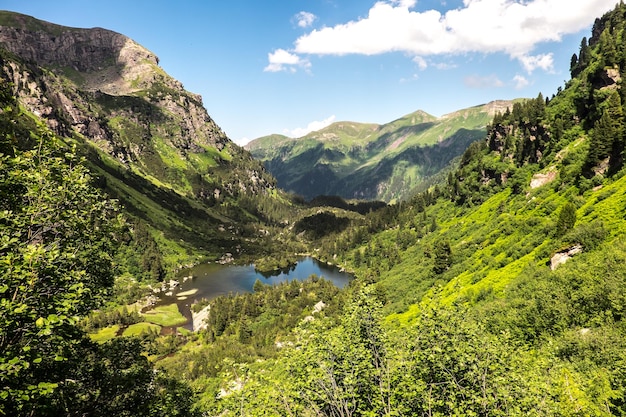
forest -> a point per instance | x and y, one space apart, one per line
499 291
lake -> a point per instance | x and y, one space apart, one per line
211 280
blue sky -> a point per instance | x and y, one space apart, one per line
289 66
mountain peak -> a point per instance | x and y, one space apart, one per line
372 161
491 108
97 59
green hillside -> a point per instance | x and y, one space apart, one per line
369 161
148 142
499 292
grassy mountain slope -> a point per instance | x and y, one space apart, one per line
497 293
370 161
150 142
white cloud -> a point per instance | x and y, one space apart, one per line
520 82
241 141
475 81
421 62
305 19
282 60
444 66
513 27
311 127
543 61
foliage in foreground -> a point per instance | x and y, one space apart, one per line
463 315
57 234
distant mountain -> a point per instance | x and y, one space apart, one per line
150 142
371 161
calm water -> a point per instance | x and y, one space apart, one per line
212 280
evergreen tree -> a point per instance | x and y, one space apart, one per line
443 256
608 49
601 139
573 66
567 219
608 132
584 55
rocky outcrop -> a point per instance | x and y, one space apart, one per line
105 87
608 78
541 179
561 257
106 60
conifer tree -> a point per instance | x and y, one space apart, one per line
608 49
567 219
584 56
608 131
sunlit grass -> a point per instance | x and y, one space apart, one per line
105 334
138 329
166 316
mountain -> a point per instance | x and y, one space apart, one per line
499 292
370 161
150 143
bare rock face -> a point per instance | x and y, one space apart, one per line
541 179
112 78
108 61
560 258
609 78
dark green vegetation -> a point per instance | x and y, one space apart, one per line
497 292
57 234
368 161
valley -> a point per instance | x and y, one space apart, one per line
488 278
374 162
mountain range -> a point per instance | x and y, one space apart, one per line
370 161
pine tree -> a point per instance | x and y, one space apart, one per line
567 219
443 256
608 49
584 56
608 131
601 140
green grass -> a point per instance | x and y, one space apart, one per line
494 243
105 334
166 316
18 21
168 154
184 332
138 329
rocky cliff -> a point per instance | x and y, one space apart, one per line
104 87
91 51
150 142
